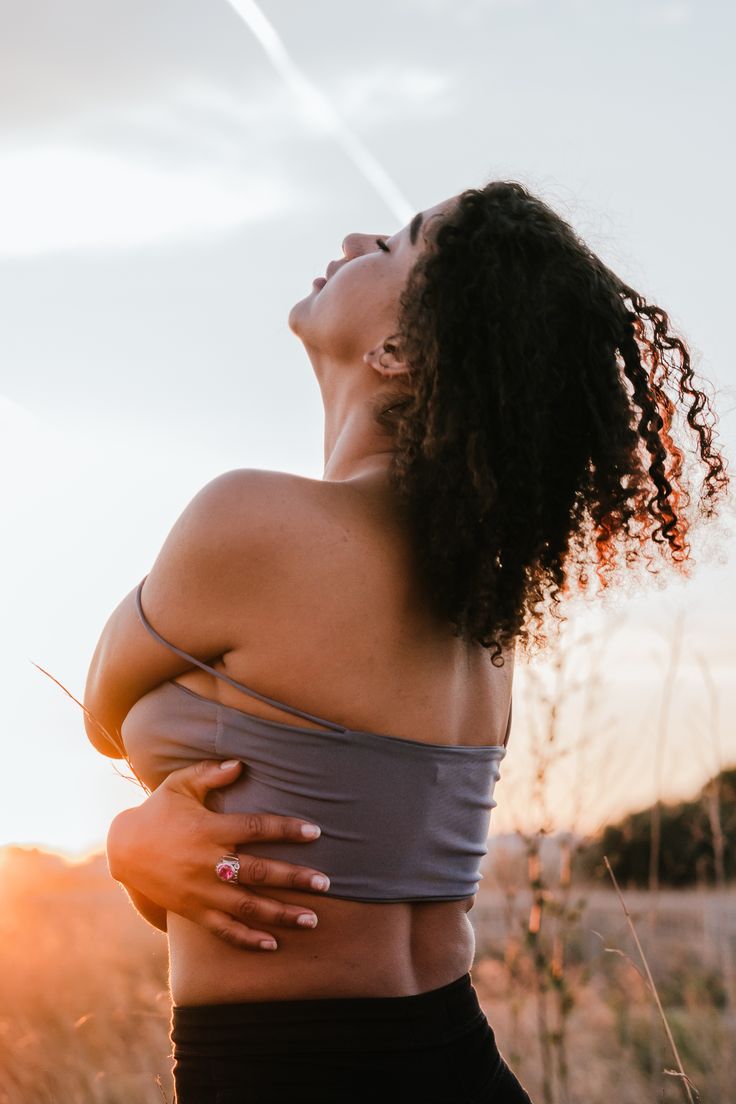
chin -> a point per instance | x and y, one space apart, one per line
300 314
293 319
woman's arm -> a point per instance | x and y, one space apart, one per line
164 852
145 907
228 533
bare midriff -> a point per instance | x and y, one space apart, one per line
357 949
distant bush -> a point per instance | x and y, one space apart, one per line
687 854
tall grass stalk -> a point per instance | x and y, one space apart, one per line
555 996
687 1085
712 797
655 843
115 739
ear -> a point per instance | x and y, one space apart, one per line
384 360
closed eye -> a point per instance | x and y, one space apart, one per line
382 245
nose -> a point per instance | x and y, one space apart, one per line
355 244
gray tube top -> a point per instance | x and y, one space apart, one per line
401 820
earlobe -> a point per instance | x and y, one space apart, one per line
384 361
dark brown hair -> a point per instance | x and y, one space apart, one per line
538 440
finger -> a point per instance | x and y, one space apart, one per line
203 776
237 935
253 910
257 871
244 827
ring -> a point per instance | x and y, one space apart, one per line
227 868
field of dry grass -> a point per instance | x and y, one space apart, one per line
580 1027
84 1011
84 1008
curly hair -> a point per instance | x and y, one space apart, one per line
536 442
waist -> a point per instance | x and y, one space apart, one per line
394 1022
356 950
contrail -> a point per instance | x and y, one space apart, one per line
362 158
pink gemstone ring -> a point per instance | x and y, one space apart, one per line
227 868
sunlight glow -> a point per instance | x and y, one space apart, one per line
322 111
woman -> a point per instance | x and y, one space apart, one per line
501 418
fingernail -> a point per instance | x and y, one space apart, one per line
267 945
229 763
307 920
311 831
318 882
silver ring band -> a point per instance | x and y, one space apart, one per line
228 868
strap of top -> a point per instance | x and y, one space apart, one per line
222 675
246 689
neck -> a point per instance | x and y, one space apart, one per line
354 446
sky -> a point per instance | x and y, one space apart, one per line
166 195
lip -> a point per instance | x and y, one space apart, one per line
319 282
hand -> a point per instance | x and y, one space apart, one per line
167 847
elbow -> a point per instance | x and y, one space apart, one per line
104 737
106 740
117 846
107 749
101 741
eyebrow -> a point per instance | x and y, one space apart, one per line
416 222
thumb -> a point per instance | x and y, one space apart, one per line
203 776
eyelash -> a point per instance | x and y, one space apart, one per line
382 245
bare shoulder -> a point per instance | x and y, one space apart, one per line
252 495
232 538
253 503
260 531
262 515
260 503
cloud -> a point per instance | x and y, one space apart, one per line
196 160
199 120
72 198
63 60
384 95
322 108
669 13
466 12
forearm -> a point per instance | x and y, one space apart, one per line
117 847
148 909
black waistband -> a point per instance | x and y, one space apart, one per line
422 1019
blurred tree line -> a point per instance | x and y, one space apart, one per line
697 840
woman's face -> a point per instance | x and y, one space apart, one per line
356 307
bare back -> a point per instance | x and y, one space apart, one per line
340 629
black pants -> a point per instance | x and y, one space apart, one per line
433 1047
